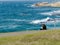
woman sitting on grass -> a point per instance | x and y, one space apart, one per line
43 27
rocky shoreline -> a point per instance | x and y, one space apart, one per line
55 4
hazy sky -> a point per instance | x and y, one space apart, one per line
31 0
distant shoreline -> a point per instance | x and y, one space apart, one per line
55 4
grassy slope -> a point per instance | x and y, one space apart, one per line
46 37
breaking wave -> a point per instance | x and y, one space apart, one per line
46 20
57 13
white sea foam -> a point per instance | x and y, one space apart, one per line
35 21
12 26
57 12
33 6
29 5
39 21
15 19
46 20
47 13
8 26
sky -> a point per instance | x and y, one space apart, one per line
31 0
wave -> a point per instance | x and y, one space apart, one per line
56 13
28 5
19 20
33 6
15 20
8 26
39 21
46 20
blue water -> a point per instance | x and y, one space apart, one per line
16 16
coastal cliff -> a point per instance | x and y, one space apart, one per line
56 4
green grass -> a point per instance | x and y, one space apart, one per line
45 37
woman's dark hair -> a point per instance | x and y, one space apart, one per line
44 26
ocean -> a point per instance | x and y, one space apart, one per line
17 16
